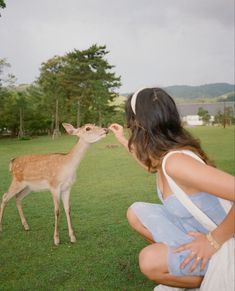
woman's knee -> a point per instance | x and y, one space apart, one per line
151 264
132 218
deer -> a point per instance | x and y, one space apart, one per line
55 172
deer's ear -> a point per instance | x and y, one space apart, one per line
70 129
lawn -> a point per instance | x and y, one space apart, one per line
105 256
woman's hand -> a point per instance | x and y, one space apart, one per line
201 251
117 129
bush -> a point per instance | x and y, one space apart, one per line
25 137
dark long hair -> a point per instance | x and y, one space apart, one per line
156 128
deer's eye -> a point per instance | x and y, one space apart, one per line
88 128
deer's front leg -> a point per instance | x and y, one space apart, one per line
56 199
65 198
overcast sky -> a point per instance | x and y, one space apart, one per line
151 42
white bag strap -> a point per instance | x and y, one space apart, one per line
199 215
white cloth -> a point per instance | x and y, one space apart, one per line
220 272
167 288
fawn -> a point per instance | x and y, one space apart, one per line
55 172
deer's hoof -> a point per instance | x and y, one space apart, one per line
26 227
73 239
56 241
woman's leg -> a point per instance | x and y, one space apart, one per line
153 263
136 224
153 259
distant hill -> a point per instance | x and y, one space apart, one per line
227 97
203 91
195 92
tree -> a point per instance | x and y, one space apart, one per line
91 82
21 104
2 5
5 79
204 115
81 84
50 81
40 111
11 113
225 118
7 97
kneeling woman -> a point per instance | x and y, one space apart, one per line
181 247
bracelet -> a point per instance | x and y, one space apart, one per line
212 241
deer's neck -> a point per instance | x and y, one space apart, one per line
77 153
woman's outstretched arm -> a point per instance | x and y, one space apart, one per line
118 131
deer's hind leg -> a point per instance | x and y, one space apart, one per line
15 188
19 198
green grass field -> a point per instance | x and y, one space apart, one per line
105 256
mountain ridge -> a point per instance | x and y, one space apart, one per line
210 90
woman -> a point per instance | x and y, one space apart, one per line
180 246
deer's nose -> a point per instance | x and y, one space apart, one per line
106 130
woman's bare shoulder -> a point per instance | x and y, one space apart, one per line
189 171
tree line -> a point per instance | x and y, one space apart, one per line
224 118
78 87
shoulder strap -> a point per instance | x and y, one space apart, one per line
200 216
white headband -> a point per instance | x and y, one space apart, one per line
134 97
